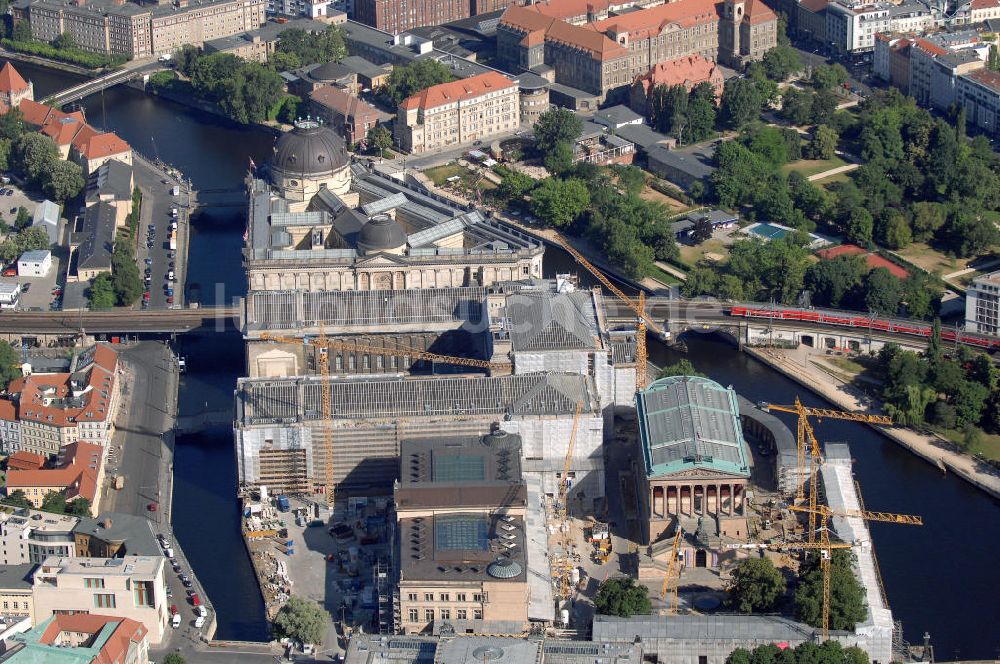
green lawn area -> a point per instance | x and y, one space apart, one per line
845 364
809 167
839 177
988 444
663 277
932 260
440 174
692 255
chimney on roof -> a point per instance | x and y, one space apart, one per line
107 524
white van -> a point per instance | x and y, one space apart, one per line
168 552
170 275
173 212
199 621
201 610
176 620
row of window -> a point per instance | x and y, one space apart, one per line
446 597
16 605
460 614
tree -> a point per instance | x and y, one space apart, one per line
559 202
559 159
796 105
701 113
34 155
741 102
701 231
682 367
894 229
12 124
860 226
781 62
54 501
185 58
282 61
756 586
102 292
17 499
739 656
554 126
173 658
125 276
23 219
882 292
824 103
65 181
823 144
847 606
967 234
928 217
379 138
825 77
79 507
514 184
831 281
631 179
65 41
32 239
287 110
766 142
312 47
414 77
10 363
302 620
623 597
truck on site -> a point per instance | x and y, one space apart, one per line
283 504
118 482
173 241
603 551
599 531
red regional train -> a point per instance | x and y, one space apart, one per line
857 320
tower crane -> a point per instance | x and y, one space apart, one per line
826 547
639 308
806 438
327 405
564 566
671 563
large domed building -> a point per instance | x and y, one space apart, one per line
310 157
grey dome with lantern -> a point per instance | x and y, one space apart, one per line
310 149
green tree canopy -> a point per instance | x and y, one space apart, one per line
555 126
102 292
414 77
823 144
622 596
17 499
312 47
33 155
559 202
741 102
847 605
79 507
301 619
12 124
10 364
65 181
682 367
514 184
173 658
379 139
756 586
125 276
559 159
54 501
781 62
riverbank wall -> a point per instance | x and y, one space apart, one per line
933 449
51 64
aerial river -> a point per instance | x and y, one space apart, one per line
942 578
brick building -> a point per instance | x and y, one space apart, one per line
689 71
349 116
398 16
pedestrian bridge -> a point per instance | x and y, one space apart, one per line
94 85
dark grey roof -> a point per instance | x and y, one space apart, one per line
715 216
763 629
696 163
381 233
309 149
530 81
112 178
16 577
641 135
615 115
135 531
551 321
330 71
347 224
363 67
590 129
99 237
452 460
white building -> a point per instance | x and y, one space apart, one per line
47 216
9 295
34 263
32 536
130 587
982 305
851 26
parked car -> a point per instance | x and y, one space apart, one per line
195 600
201 610
173 609
199 621
175 622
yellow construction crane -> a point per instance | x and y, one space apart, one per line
671 563
827 547
564 566
645 320
806 438
324 372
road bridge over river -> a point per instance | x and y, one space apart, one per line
131 71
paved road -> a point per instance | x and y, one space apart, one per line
157 203
117 321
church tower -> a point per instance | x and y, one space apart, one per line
732 18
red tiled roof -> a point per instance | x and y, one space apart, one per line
931 47
651 21
78 475
11 80
873 260
757 12
115 649
466 88
690 70
976 4
564 9
25 461
94 145
72 129
62 130
540 27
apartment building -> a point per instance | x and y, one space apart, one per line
460 509
396 16
348 115
115 27
129 587
978 92
30 536
851 27
81 639
78 474
15 590
604 57
458 112
58 409
982 304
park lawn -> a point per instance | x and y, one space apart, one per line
809 167
663 276
988 444
932 260
692 255
439 174
839 177
676 207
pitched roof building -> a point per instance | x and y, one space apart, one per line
13 88
349 116
689 71
81 639
77 474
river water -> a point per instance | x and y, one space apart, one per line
942 578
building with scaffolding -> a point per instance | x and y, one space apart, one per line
280 420
461 551
454 648
695 464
